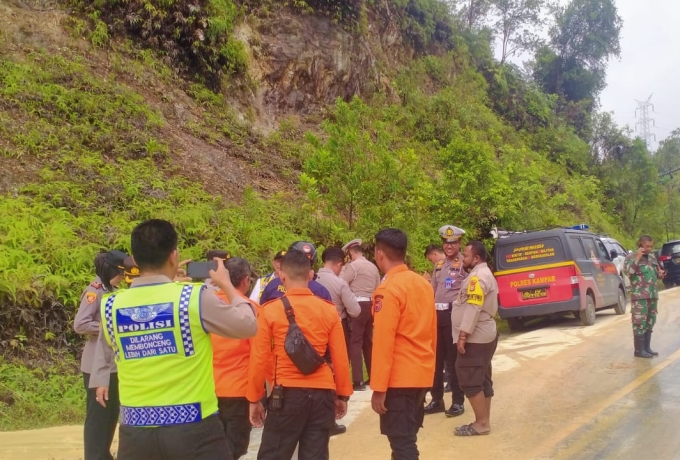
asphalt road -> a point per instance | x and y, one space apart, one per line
563 391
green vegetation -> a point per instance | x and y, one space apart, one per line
31 399
464 139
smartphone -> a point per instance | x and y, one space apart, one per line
200 270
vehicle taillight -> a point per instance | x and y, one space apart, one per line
572 275
664 258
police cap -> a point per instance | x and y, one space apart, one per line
115 258
451 234
130 269
279 255
211 254
351 244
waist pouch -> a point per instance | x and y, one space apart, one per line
297 347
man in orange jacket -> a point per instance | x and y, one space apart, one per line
404 344
230 369
310 403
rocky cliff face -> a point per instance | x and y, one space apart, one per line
303 62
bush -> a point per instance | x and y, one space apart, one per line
195 35
37 398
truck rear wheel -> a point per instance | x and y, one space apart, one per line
515 324
588 315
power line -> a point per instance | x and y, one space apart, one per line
645 123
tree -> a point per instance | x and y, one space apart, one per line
631 184
474 11
517 24
582 40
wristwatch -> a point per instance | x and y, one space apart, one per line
343 398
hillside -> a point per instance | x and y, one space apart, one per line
251 124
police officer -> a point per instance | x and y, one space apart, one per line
474 330
363 278
275 288
447 277
343 298
644 271
261 283
100 422
404 347
309 403
158 331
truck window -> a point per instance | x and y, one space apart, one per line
604 254
540 251
576 247
589 245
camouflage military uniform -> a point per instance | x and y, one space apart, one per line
644 291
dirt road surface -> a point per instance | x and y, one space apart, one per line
563 391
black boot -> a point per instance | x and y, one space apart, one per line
640 347
648 340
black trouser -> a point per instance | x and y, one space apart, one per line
202 440
403 419
361 342
234 414
346 330
306 418
446 353
100 422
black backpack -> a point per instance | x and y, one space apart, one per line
297 347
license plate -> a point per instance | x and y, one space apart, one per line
538 293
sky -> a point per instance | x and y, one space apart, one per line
649 63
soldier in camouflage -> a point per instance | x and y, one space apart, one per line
643 270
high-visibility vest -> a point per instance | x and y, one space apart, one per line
164 355
265 281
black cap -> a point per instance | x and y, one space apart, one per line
211 254
307 248
279 255
116 258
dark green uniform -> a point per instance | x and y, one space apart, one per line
644 291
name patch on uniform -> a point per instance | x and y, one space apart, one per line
143 346
475 295
145 318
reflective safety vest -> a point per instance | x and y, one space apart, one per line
164 355
265 281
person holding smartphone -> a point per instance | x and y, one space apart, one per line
644 271
158 331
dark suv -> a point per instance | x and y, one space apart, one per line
670 259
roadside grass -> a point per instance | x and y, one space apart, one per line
42 397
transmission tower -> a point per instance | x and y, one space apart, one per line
645 123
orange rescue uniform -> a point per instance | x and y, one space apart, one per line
320 323
404 332
230 361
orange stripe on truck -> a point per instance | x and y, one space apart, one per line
537 267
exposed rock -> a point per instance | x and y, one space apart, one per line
304 62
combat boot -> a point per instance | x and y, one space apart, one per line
648 340
640 347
